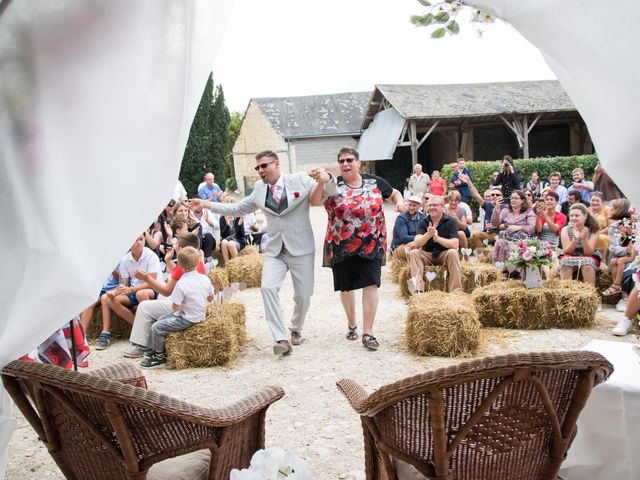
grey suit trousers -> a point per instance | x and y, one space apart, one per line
273 273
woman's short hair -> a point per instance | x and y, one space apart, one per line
350 151
454 195
619 208
552 194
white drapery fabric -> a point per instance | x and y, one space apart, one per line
96 103
591 47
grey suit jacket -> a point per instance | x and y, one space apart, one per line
290 227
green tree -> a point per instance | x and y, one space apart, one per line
219 122
207 148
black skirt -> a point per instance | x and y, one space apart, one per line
356 272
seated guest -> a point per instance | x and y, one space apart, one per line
159 235
555 186
549 222
209 190
535 185
621 249
436 244
492 199
573 197
438 184
516 222
601 213
128 295
406 227
425 200
494 180
579 239
149 311
580 184
189 304
209 223
454 210
458 184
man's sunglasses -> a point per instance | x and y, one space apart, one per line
348 160
262 165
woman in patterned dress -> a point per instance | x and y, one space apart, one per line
356 241
579 245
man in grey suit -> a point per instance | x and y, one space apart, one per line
284 199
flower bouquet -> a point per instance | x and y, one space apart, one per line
529 256
274 464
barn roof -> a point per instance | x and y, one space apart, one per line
316 115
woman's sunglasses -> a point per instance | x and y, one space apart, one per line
348 160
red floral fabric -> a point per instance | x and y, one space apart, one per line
356 223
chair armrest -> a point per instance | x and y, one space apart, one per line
123 372
355 394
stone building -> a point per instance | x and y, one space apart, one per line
305 132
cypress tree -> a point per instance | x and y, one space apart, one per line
197 158
219 129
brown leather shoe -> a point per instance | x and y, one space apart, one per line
283 347
296 338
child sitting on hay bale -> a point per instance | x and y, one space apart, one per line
189 300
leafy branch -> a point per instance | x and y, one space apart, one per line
442 14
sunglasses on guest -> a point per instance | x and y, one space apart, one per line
262 165
348 160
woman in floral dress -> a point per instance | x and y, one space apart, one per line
356 241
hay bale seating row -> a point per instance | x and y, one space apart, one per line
215 341
396 265
557 304
474 275
443 324
219 274
246 268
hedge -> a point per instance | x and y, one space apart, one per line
482 171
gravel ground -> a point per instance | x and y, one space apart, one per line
313 419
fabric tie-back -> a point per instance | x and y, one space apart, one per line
97 102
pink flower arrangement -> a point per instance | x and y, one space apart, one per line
531 253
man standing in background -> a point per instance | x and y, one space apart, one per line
419 182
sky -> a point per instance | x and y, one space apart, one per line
281 48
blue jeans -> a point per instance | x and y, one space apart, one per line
165 325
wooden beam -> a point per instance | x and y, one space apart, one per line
525 136
429 132
414 143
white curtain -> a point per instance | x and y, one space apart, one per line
96 102
592 47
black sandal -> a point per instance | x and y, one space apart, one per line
352 334
370 341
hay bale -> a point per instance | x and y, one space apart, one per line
220 274
119 327
442 324
246 269
249 250
486 255
396 265
478 275
557 304
215 341
436 284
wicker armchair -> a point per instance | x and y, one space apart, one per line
496 418
102 425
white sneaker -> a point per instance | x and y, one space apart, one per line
624 327
621 306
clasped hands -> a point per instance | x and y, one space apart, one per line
320 175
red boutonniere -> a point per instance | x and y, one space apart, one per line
296 194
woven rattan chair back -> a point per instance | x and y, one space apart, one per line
97 428
496 418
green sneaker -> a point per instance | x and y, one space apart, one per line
154 360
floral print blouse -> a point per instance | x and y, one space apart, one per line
356 223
